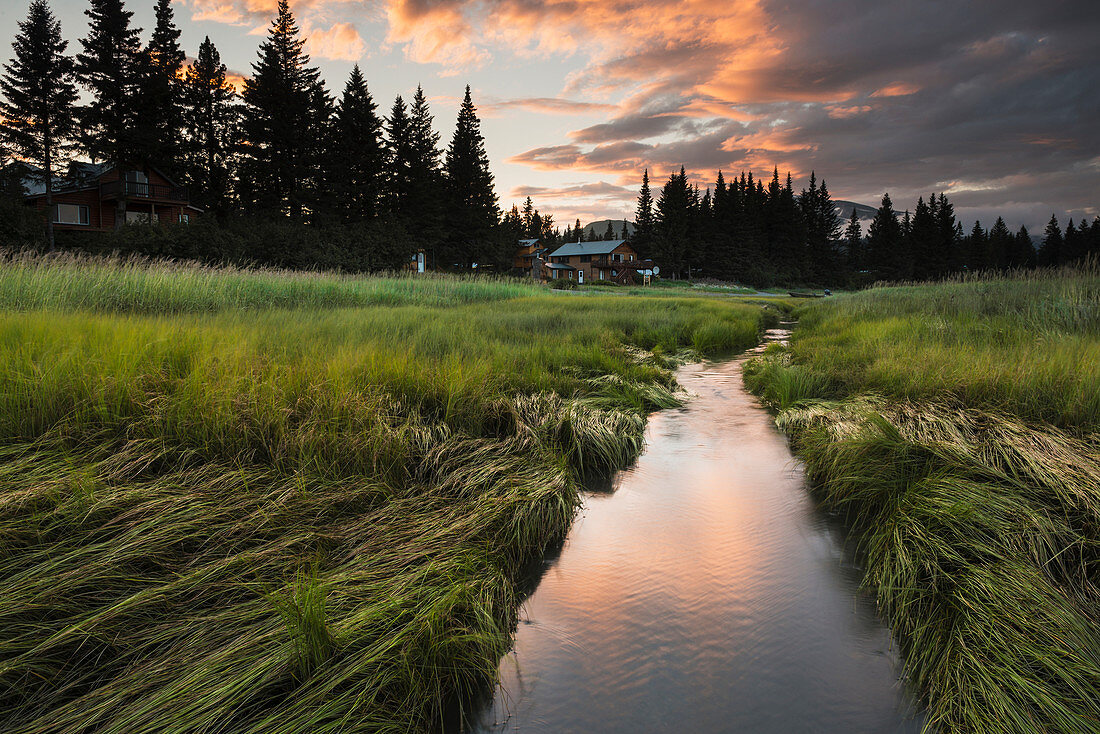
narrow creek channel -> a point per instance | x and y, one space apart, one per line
703 592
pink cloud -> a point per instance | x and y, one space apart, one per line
341 41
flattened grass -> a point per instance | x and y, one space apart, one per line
221 515
955 429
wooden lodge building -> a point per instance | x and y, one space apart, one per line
582 262
88 197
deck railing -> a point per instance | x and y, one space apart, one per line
142 190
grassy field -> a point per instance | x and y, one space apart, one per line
954 427
269 502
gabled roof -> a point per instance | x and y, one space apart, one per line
528 243
587 248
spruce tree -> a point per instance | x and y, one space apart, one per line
210 122
924 242
674 225
884 244
38 98
284 106
110 68
1024 253
1050 253
609 233
979 257
357 173
625 231
947 258
853 242
642 241
473 201
159 93
1001 245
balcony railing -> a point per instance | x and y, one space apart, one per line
140 190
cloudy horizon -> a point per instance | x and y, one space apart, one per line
995 104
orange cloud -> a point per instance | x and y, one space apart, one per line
897 89
342 41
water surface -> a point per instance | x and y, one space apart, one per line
703 592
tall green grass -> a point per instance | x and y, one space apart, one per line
229 505
134 285
955 429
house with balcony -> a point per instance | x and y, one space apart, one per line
530 259
587 262
88 196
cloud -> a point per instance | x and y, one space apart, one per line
547 106
341 41
897 89
599 190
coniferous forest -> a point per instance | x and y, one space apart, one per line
286 172
289 174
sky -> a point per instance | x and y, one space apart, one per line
994 102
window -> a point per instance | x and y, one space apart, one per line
185 218
570 275
70 214
617 257
138 217
630 258
137 183
586 258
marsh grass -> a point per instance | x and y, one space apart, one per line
974 498
223 508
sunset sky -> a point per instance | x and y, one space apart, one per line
995 103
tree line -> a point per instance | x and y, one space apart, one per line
346 186
748 231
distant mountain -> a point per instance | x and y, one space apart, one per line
863 212
600 228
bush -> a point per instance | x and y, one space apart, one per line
560 284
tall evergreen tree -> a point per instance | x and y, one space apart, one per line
609 233
210 120
1024 253
924 242
1001 245
110 68
159 94
853 242
979 257
357 173
1050 253
675 226
473 201
884 244
284 107
948 258
38 98
642 240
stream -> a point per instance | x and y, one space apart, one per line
702 591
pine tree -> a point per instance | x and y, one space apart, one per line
853 242
110 68
1001 245
210 122
924 242
159 93
1050 253
609 233
625 232
674 226
473 201
884 244
1024 253
38 98
979 257
644 231
417 181
358 173
948 257
284 125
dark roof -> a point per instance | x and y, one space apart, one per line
560 266
528 243
587 248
